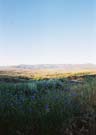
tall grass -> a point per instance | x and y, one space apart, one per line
48 107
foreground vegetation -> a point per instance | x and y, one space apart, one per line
52 106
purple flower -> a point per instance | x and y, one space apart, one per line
74 94
34 91
47 107
67 90
33 97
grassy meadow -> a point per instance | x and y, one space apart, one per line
47 103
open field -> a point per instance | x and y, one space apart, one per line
47 102
43 73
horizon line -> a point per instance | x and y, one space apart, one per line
8 65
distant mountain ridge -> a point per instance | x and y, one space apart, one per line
66 67
58 66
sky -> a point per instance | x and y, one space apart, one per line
47 31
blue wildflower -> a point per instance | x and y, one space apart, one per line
74 94
67 89
34 91
33 97
47 107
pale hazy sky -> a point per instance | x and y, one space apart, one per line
47 31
